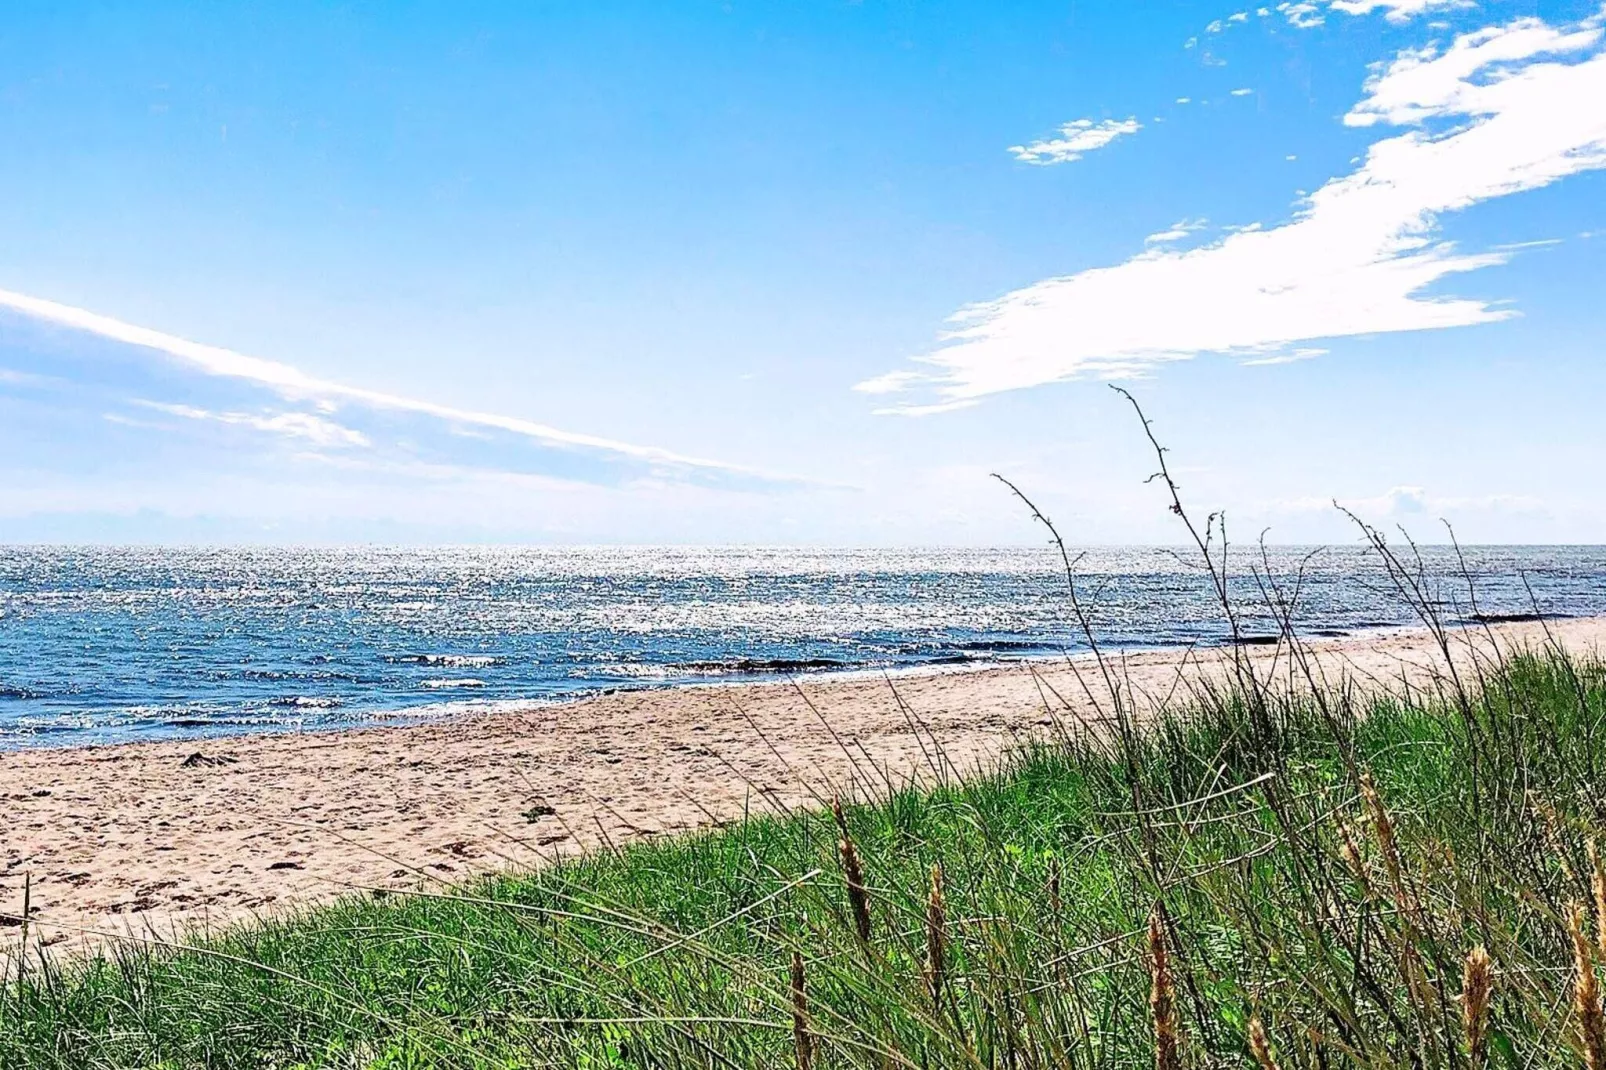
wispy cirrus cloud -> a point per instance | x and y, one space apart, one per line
1292 356
1526 107
201 385
1175 232
1075 139
1304 14
317 430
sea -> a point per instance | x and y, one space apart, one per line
104 645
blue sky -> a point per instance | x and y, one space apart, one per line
747 272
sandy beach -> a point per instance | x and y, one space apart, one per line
154 838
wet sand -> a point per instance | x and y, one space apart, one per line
159 837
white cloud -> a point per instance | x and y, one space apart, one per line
1241 16
1291 357
1531 103
292 384
16 378
1537 243
1413 505
1075 139
1400 501
1396 11
1242 92
1305 15
1175 232
1426 84
890 383
315 429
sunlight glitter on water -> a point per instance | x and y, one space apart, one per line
104 644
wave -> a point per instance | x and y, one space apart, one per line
1514 618
1001 645
277 675
451 661
305 702
438 684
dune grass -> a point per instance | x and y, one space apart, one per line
1313 869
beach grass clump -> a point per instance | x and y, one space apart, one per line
1265 877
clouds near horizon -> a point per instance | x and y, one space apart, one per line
1499 111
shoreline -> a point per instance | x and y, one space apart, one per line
157 836
445 711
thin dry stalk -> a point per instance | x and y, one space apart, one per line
1597 887
1550 821
1477 986
1352 857
1260 1045
936 938
1388 844
1586 994
853 872
839 816
1163 999
802 1039
22 945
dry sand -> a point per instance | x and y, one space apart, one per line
142 837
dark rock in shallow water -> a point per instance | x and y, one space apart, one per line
764 665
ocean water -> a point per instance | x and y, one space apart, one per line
102 645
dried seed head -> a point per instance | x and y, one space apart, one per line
1586 994
1477 986
1162 999
853 873
858 896
1260 1044
802 1039
1352 855
936 937
1550 821
1382 825
1388 845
